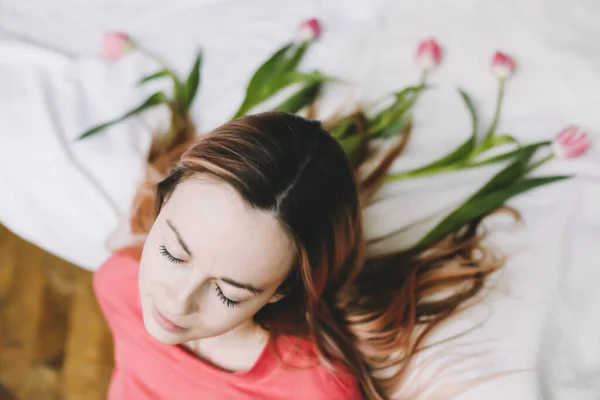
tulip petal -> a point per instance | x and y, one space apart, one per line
429 54
114 45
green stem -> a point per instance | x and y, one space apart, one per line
423 78
539 163
492 129
162 63
177 84
152 55
373 104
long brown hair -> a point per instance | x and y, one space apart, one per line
370 314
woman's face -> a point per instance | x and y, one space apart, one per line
210 263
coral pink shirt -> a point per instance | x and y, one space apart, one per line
148 369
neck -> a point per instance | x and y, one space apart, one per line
247 333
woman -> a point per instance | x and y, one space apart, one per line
253 283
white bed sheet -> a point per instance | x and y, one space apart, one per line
542 314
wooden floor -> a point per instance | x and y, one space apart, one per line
54 342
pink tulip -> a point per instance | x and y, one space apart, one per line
115 44
571 142
309 30
429 54
503 65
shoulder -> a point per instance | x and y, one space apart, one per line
339 384
331 382
121 265
115 282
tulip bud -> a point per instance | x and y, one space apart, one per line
503 65
429 54
571 142
115 45
309 30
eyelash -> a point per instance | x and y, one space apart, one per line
169 256
224 299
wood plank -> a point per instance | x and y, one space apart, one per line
5 394
7 267
61 282
43 384
89 354
20 313
54 341
7 261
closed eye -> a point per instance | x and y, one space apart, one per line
224 299
163 250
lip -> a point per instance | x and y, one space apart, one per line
166 323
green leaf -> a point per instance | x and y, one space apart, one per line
291 63
270 76
265 72
401 95
178 87
246 106
480 206
505 156
343 124
273 75
486 145
492 160
442 164
261 77
467 147
511 173
351 144
395 127
302 98
193 81
496 140
156 75
405 99
303 77
154 100
458 155
505 184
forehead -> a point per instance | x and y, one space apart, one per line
226 234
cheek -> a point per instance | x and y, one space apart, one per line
153 272
149 268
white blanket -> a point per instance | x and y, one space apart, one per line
541 316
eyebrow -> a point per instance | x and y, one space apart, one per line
250 288
179 239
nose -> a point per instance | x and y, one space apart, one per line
182 300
